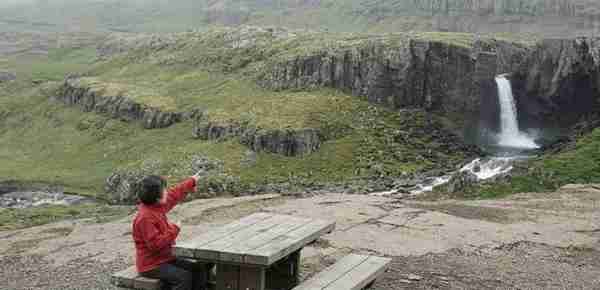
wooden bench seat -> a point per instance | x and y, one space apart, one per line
129 278
353 272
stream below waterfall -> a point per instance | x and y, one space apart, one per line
510 145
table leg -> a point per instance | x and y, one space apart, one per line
233 277
284 274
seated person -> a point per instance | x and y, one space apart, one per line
154 235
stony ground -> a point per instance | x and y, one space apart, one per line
527 241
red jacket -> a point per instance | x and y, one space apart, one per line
153 234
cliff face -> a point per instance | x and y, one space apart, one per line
436 76
559 82
288 142
493 7
118 107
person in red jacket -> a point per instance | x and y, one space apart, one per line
154 235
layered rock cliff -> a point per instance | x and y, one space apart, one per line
433 75
288 142
559 82
120 107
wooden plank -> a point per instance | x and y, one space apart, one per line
125 278
146 283
228 277
236 252
286 244
212 250
252 278
186 249
285 273
130 278
332 273
361 275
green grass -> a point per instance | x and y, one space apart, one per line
580 164
48 142
226 97
79 150
52 67
12 219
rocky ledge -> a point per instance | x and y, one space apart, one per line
73 93
288 142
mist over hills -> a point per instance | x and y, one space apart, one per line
548 17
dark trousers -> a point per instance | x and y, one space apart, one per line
180 275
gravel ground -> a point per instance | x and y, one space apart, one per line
523 265
532 241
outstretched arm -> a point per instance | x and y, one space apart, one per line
177 193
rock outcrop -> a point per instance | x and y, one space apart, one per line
288 142
559 82
6 76
120 107
433 75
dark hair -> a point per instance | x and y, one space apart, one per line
151 189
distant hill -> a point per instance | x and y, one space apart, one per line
549 17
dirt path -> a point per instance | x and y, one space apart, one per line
527 241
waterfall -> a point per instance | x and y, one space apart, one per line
509 138
510 135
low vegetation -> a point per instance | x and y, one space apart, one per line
12 219
78 150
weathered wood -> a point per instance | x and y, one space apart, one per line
186 249
146 283
213 249
361 275
252 278
228 277
236 252
332 273
290 242
259 240
124 278
353 272
285 274
130 278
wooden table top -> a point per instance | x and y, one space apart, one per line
259 239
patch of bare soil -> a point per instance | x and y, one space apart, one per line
520 265
491 214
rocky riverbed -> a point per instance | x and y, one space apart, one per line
26 199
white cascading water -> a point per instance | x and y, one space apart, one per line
510 135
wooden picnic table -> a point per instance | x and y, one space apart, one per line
260 251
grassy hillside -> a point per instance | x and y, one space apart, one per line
46 141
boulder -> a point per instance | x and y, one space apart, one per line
461 181
7 76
